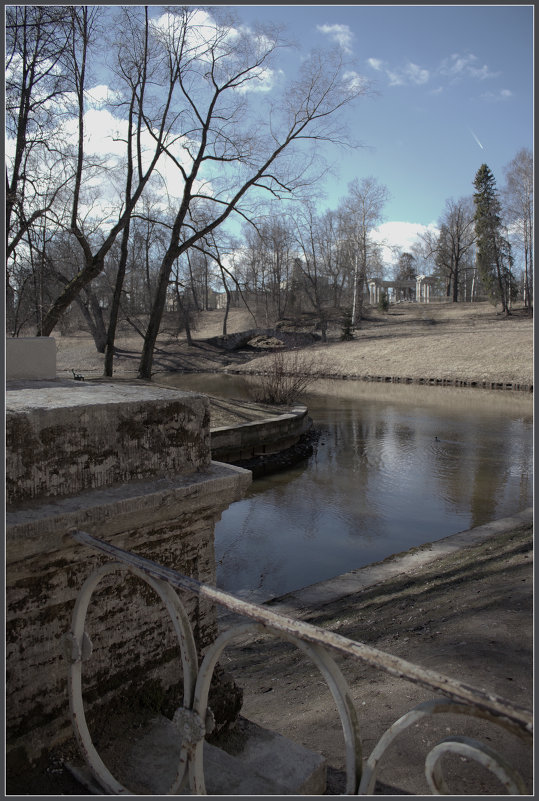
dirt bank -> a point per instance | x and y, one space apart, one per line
467 615
455 342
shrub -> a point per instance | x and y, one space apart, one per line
287 377
346 324
383 303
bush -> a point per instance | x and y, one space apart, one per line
383 303
347 334
288 376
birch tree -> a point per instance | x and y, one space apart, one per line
517 196
362 211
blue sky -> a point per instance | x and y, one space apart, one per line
452 88
446 79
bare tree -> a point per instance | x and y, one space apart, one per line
35 42
361 211
248 158
517 198
310 239
451 247
138 166
132 68
493 250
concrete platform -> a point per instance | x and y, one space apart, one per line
259 762
62 440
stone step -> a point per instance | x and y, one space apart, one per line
256 762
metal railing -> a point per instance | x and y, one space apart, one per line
193 719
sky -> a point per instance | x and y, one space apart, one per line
450 88
453 90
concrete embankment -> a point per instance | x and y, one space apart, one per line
462 606
258 437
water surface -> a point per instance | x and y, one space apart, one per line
395 466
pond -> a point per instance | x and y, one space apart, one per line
395 466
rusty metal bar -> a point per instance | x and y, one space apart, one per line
514 718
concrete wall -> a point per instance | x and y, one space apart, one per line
30 358
164 509
233 443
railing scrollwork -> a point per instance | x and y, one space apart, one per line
194 718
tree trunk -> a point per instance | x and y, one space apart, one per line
96 326
456 285
184 316
115 306
227 307
156 313
354 294
10 306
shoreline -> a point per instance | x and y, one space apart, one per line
467 611
464 609
381 379
441 345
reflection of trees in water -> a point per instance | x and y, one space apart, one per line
488 486
473 468
378 478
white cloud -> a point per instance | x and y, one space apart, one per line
395 78
394 236
354 81
201 31
208 42
496 97
417 74
375 63
401 76
99 95
458 66
263 80
340 34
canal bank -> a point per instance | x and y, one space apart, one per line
466 613
462 606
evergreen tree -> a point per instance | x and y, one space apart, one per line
494 259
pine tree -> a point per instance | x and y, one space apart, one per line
494 259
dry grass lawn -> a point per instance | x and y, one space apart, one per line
455 342
436 341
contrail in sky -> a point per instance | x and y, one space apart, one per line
476 139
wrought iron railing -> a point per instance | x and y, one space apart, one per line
193 718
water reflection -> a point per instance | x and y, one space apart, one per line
395 466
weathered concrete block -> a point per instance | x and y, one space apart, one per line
159 496
60 441
170 522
